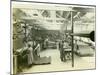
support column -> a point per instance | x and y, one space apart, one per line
53 16
72 39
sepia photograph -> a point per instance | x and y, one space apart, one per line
52 37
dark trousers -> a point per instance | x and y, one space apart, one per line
62 55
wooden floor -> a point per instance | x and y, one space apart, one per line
57 65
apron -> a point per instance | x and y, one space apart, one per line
30 56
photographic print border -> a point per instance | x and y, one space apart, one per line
11 61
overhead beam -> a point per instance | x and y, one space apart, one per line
59 15
42 11
67 15
45 18
41 7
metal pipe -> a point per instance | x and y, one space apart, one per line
72 39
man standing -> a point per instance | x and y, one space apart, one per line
30 55
62 53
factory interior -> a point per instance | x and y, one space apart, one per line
52 37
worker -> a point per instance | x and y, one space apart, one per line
46 42
37 49
62 54
67 49
30 55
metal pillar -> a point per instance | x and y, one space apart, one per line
25 30
72 39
